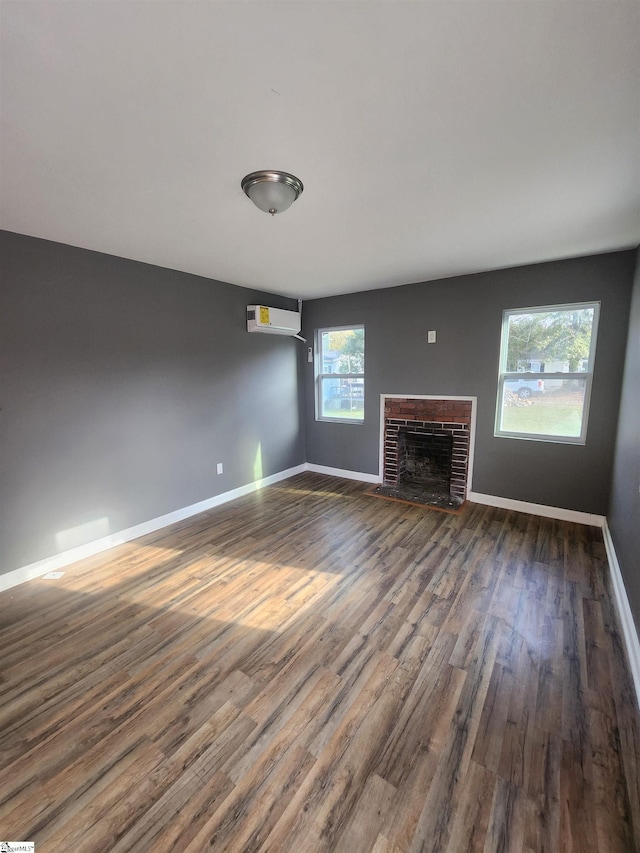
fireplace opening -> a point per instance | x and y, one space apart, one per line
423 468
424 462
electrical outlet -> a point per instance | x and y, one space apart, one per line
431 337
219 468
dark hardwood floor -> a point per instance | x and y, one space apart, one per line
314 669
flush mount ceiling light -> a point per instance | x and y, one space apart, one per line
272 191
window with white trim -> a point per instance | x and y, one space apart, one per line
340 374
546 370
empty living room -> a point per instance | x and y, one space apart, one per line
319 426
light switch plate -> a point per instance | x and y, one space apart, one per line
431 337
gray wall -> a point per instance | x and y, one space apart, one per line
466 312
624 510
122 386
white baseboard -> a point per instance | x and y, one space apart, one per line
342 472
629 631
538 509
65 558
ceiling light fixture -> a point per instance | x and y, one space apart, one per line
272 191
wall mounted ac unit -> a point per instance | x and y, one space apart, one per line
273 321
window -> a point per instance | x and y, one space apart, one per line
340 374
546 368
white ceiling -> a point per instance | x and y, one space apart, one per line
433 138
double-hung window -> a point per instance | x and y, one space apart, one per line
340 374
546 370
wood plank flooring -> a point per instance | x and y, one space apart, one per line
314 669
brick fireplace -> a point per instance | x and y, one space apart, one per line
427 442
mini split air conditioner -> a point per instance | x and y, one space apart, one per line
273 321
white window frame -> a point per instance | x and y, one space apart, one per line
586 376
320 375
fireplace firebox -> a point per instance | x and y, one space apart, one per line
424 459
